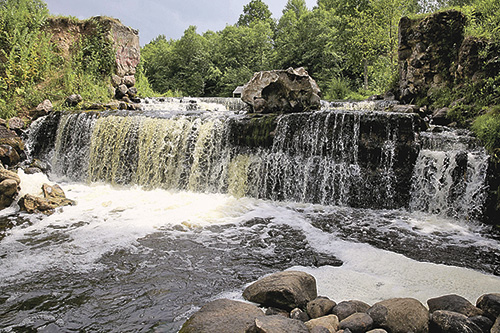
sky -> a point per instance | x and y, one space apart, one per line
167 17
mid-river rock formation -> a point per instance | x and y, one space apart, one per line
282 91
397 315
53 197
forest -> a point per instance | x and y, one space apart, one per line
348 47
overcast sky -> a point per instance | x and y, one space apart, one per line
168 17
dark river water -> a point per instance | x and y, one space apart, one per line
130 260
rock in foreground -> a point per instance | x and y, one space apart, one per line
223 316
282 91
53 197
284 290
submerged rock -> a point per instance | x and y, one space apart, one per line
285 290
223 316
53 197
282 91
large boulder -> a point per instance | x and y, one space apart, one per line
53 197
223 316
443 321
400 315
490 304
285 290
282 91
454 303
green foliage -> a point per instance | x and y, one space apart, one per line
255 11
487 129
338 88
25 51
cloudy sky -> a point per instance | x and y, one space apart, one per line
168 17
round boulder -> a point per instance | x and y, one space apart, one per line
357 323
330 322
443 321
454 303
320 307
400 315
346 308
223 316
490 304
285 290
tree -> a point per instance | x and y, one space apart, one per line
254 11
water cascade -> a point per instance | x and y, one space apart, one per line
356 159
178 205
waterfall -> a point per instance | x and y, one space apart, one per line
450 175
367 159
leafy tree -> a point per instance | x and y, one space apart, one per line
254 11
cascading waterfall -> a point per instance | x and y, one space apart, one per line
450 175
313 157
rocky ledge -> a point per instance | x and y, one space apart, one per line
289 303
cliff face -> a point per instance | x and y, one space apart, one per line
67 33
433 54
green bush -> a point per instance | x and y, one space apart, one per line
487 129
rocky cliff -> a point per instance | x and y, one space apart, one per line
67 34
434 54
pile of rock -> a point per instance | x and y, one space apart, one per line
293 306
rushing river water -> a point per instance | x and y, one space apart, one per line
131 258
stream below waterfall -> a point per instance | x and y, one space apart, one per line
142 251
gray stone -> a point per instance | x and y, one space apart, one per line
357 323
484 323
454 303
132 92
282 91
439 117
276 324
73 100
346 308
121 91
443 321
285 290
222 316
400 315
275 311
320 329
41 110
16 123
490 304
8 155
330 322
405 108
320 307
299 315
377 330
129 80
116 80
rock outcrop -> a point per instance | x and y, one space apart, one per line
282 91
427 49
67 33
53 197
433 54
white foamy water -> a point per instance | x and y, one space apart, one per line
107 219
